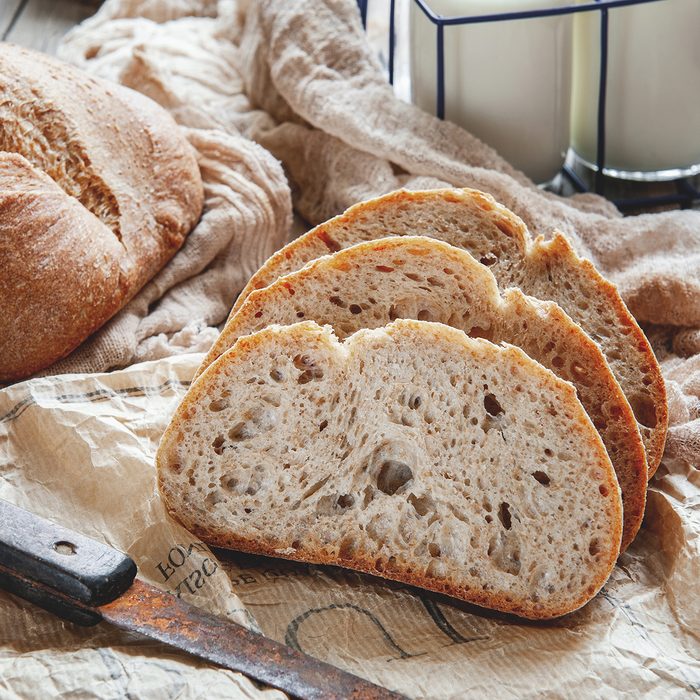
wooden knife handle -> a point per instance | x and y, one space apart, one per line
57 568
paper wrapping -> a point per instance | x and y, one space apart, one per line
79 449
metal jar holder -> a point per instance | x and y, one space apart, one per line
687 194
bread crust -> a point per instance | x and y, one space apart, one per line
525 263
99 189
302 334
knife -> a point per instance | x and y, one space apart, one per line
86 582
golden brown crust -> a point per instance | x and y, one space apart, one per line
277 547
124 177
34 330
647 394
559 252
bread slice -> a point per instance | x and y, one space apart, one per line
370 284
544 269
411 452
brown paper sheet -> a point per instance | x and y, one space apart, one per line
79 449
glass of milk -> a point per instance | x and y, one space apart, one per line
507 82
652 116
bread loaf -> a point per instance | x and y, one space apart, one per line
98 189
412 452
544 269
371 284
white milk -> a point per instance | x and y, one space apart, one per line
653 95
509 83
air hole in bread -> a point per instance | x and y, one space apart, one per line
504 515
604 490
594 547
415 401
383 268
492 406
541 477
426 315
579 374
346 500
310 370
337 301
488 260
479 332
323 426
548 452
505 227
175 467
315 487
300 314
254 484
217 405
392 476
413 276
241 431
347 547
228 482
276 375
421 504
331 244
434 549
367 496
355 309
435 282
644 410
558 361
218 444
213 498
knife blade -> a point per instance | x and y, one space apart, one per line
86 582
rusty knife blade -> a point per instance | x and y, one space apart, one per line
162 616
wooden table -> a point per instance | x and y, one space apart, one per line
40 24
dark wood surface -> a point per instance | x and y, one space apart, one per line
40 24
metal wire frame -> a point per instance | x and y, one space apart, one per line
687 194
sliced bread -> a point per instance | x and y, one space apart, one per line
544 269
371 284
411 452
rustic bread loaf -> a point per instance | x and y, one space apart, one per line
98 189
412 452
371 284
544 269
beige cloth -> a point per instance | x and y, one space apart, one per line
298 78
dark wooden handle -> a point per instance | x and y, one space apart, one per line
51 565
